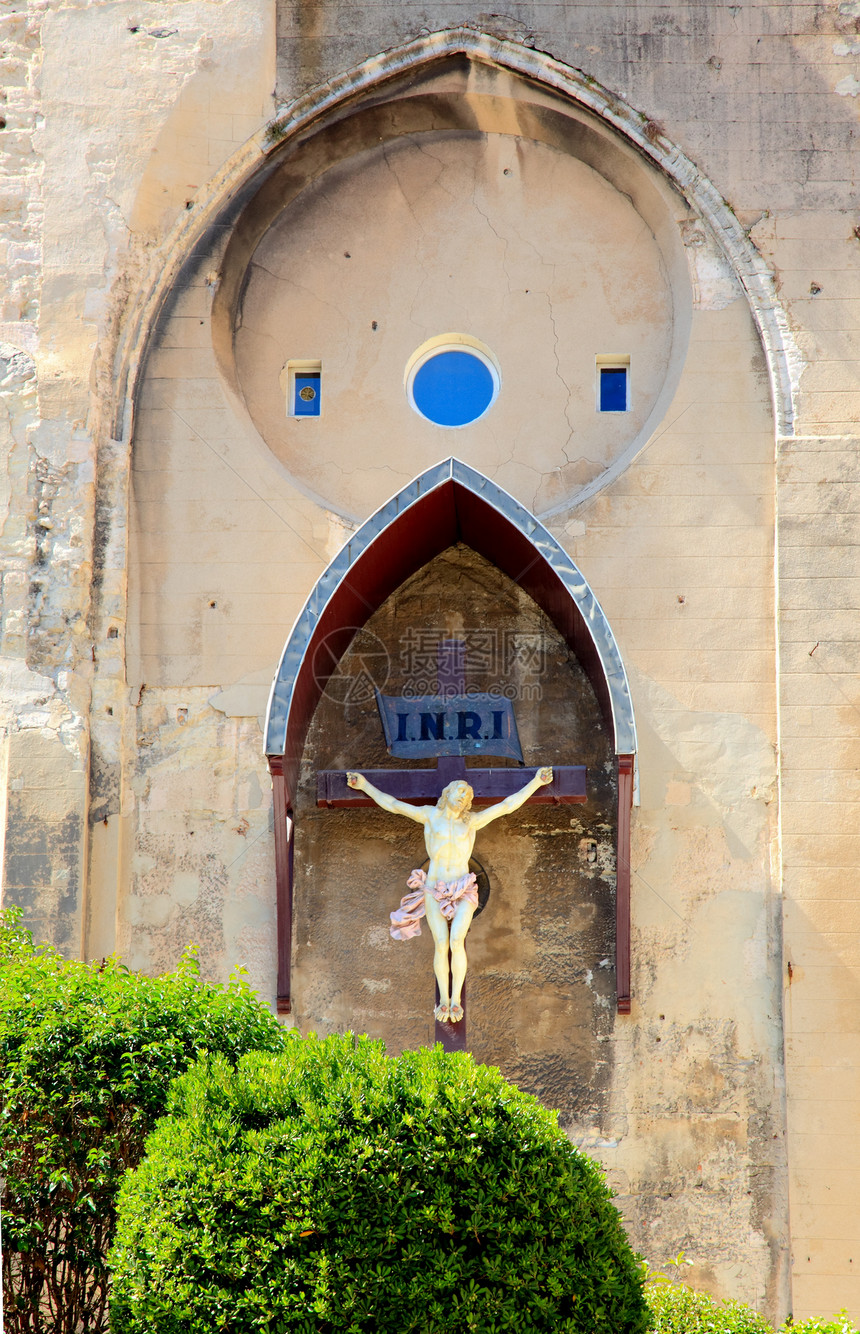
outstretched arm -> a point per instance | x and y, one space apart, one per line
388 803
513 802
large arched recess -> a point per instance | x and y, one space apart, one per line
449 503
226 196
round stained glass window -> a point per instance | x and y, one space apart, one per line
452 380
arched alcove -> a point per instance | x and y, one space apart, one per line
541 979
450 503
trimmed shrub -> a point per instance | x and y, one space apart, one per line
87 1052
332 1188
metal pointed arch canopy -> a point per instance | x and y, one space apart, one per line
451 502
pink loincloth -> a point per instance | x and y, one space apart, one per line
406 920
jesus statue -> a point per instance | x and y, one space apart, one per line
447 892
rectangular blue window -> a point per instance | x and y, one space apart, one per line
613 388
306 394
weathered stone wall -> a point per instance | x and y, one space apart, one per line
683 539
136 800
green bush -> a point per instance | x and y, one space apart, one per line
679 1310
837 1324
332 1188
87 1052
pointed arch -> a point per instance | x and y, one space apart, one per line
220 200
449 503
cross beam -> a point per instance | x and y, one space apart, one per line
418 786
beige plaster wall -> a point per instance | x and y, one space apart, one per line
683 546
156 746
818 633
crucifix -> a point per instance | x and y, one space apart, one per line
463 724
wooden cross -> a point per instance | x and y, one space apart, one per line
421 787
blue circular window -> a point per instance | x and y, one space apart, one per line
452 380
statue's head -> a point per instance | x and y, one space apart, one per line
458 796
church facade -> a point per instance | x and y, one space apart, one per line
498 371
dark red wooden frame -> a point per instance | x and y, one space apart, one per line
446 513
